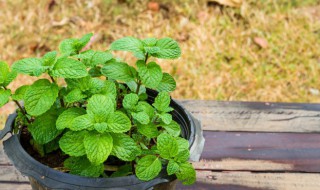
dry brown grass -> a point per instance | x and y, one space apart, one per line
220 59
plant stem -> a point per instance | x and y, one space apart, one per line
139 81
61 100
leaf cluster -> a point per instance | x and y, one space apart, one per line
102 115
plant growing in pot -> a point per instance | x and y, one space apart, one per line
110 125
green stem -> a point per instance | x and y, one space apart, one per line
61 100
139 81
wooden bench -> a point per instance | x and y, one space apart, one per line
249 145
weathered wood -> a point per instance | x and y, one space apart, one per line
10 174
255 116
14 186
246 180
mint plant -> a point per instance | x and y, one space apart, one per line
101 117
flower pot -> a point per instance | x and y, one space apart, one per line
43 177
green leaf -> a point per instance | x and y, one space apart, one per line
66 118
43 129
118 71
95 72
162 101
69 68
67 47
81 122
10 77
96 85
149 130
72 144
92 58
98 147
130 44
4 96
49 58
82 166
119 122
150 74
83 41
173 128
123 171
167 146
74 95
172 167
141 117
40 96
186 174
152 50
130 101
100 107
29 66
169 49
110 89
148 167
133 87
149 42
167 84
81 83
124 147
101 127
166 118
4 71
183 150
145 107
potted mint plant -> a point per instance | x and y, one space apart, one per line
109 125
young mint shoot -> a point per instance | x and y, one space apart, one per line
100 117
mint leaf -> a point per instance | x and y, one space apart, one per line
66 118
71 143
123 171
173 129
101 127
4 71
167 146
149 42
118 71
124 147
81 122
162 101
172 167
98 146
183 150
133 87
150 74
151 50
83 41
119 122
82 166
95 72
141 117
166 118
96 85
69 68
92 58
10 77
145 107
40 96
74 95
130 44
110 89
67 47
43 129
130 101
49 58
149 130
29 66
148 167
19 93
81 83
186 173
4 96
167 84
100 107
169 49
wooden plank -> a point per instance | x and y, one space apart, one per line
260 151
10 174
261 181
255 116
15 186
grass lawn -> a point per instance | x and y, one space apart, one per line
266 50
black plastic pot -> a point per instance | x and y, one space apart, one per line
43 177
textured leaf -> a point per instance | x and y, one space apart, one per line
4 71
149 41
74 95
101 127
96 85
129 44
29 66
119 122
4 96
172 167
81 122
133 87
81 83
95 72
40 96
66 118
10 77
124 147
19 93
98 147
152 50
149 130
110 89
118 71
43 129
92 58
166 118
186 174
130 101
167 146
148 167
82 166
183 150
100 107
69 68
150 74
67 46
141 117
49 58
145 107
167 84
72 144
83 41
173 128
169 49
162 101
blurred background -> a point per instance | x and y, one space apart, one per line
246 50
